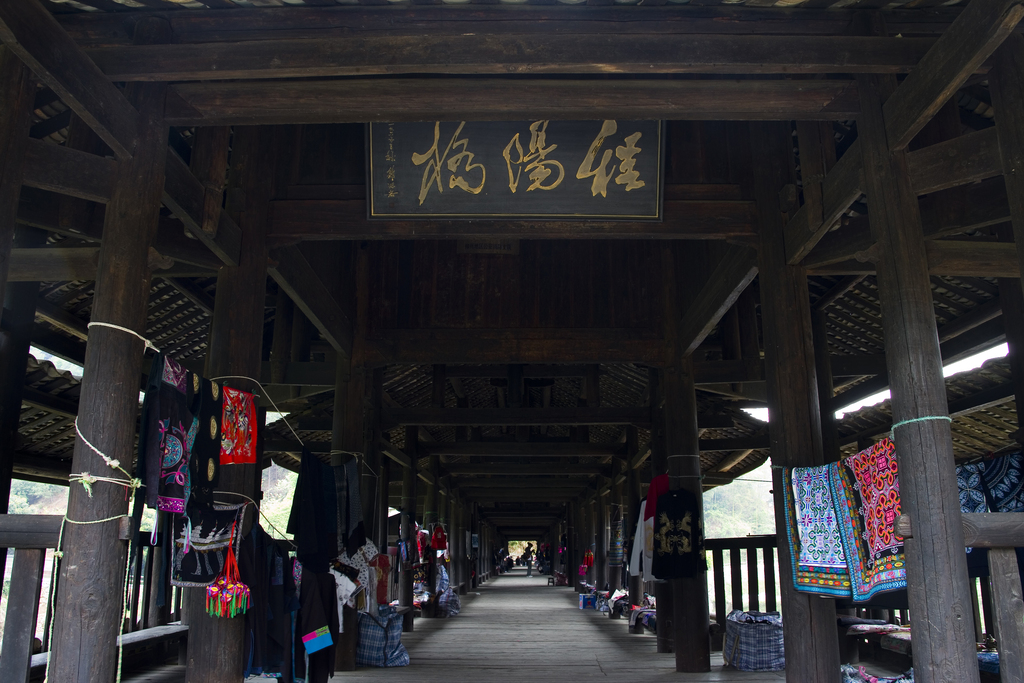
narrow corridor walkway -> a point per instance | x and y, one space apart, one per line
519 628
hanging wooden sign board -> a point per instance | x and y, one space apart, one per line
524 169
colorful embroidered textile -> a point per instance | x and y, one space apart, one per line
200 547
170 431
866 494
832 581
238 428
820 542
615 550
1004 479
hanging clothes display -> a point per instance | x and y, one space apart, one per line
175 411
201 543
866 494
351 530
205 465
816 550
678 536
313 519
636 557
238 424
316 635
1004 482
438 539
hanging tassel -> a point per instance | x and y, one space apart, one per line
227 596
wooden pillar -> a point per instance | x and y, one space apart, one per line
280 346
216 646
618 518
408 521
92 571
1006 83
692 642
826 390
600 537
632 508
943 648
659 465
16 97
812 649
15 340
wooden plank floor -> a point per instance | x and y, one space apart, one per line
520 626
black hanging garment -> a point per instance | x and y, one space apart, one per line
313 517
317 627
350 527
205 464
678 536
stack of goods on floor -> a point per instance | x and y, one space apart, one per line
754 642
852 674
644 614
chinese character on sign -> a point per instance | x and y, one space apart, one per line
434 160
540 168
628 175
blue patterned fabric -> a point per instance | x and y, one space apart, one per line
380 639
1004 479
971 488
753 641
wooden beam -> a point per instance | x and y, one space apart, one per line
62 264
961 160
498 54
325 219
517 416
1007 86
262 23
401 99
975 34
511 448
29 531
963 258
986 205
734 272
516 345
32 33
293 273
88 176
522 470
185 196
68 171
980 529
729 371
740 443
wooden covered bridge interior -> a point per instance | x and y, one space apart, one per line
843 211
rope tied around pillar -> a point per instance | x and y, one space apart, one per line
148 343
926 418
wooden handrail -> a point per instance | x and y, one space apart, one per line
29 531
981 530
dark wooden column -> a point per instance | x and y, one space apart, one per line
682 442
16 96
826 390
216 646
601 538
659 465
15 339
636 589
812 649
570 564
616 503
408 519
92 571
937 583
1006 83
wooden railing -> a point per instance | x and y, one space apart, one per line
31 537
1000 532
757 553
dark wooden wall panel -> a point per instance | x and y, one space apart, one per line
549 284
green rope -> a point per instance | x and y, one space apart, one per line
926 418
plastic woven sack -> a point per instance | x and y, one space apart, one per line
380 639
753 641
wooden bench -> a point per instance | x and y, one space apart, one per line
129 641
